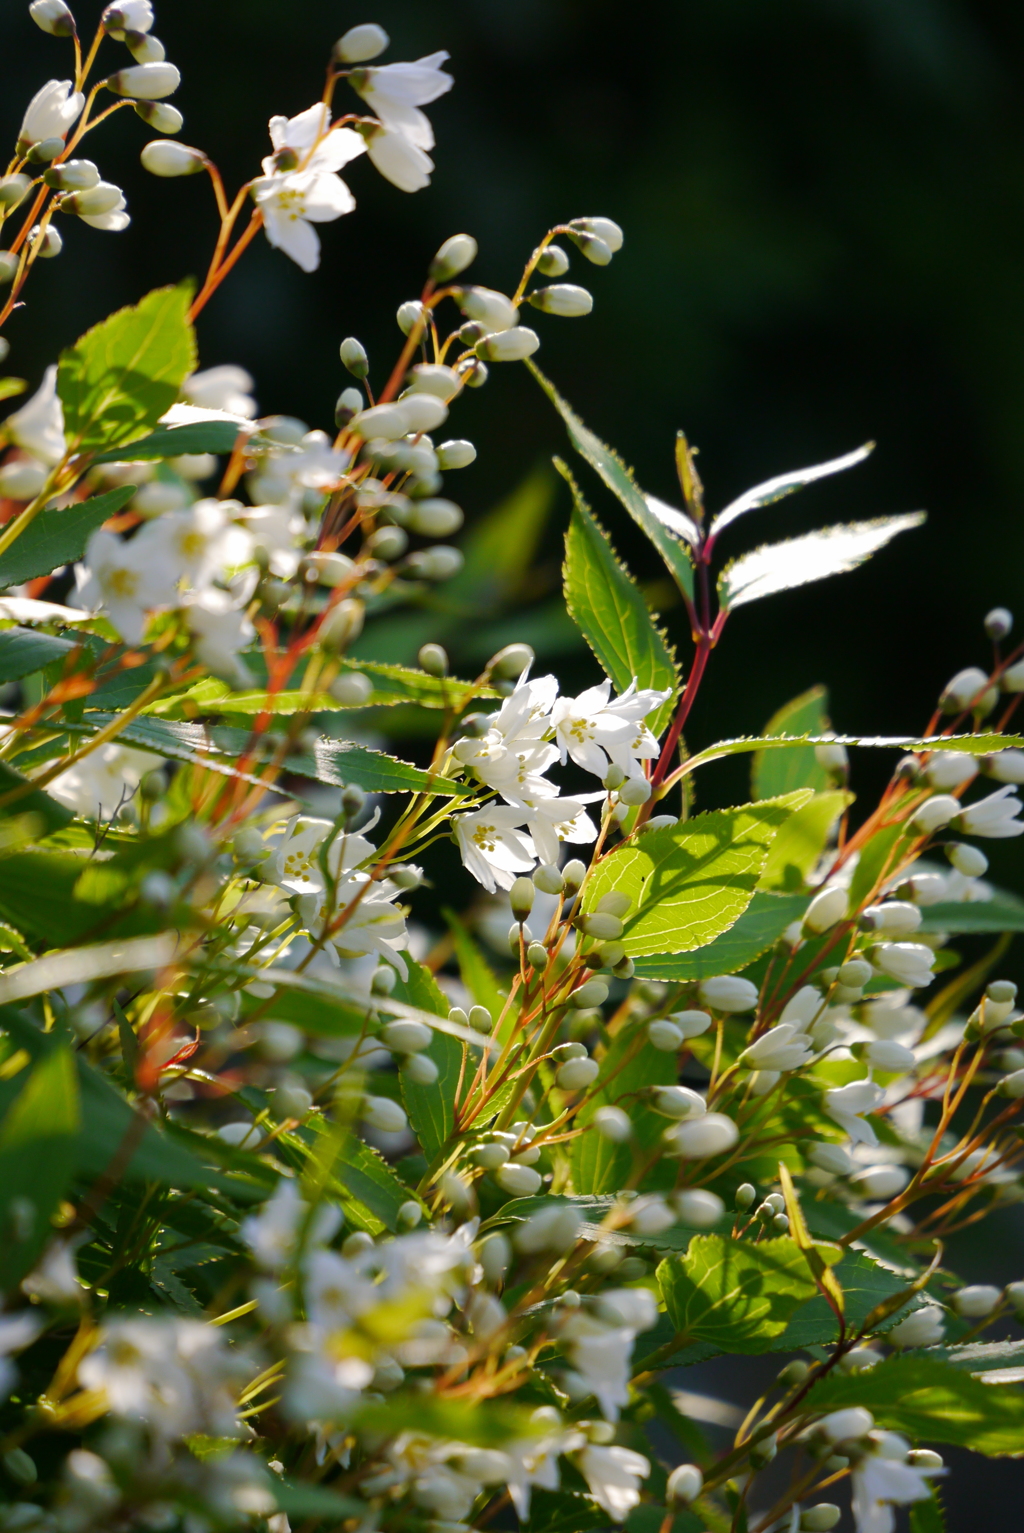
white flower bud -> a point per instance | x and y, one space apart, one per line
13 191
651 1215
9 264
606 928
842 1426
406 1036
410 314
489 308
51 243
548 879
830 1157
495 1256
665 1036
457 252
593 993
592 246
341 624
104 197
895 918
562 298
128 16
1012 679
605 229
457 453
635 790
826 909
636 1308
421 412
53 16
692 1024
434 518
887 1054
820 1518
72 176
977 1300
491 1156
612 1123
998 623
934 814
698 1208
967 860
700 1138
678 1102
950 769
508 345
166 157
421 1069
553 262
1012 1086
145 48
969 688
361 43
880 1182
577 1074
833 758
519 1181
924 1328
292 1100
552 1229
684 1485
909 962
22 479
728 992
352 689
160 117
150 82
384 1114
1006 766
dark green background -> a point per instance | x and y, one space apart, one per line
824 243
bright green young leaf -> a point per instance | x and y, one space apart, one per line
392 684
690 881
877 861
606 605
798 561
928 1400
801 841
734 1294
781 771
431 1109
174 441
10 387
620 481
124 373
927 1516
758 928
38 1136
23 651
59 537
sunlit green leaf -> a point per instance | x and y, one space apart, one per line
38 1136
733 1293
784 484
431 1109
798 561
781 771
797 848
757 929
56 537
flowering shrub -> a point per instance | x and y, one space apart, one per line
323 1204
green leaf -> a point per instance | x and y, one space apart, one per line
51 814
59 537
865 1283
1003 913
312 1502
372 1183
599 1165
928 1516
474 970
798 561
10 387
781 771
734 1294
797 848
972 745
998 1361
23 651
124 373
606 605
690 881
784 484
874 864
431 1109
620 481
929 1401
38 1136
392 684
174 441
758 928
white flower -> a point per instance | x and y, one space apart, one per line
935 813
174 1374
399 159
784 1047
995 816
600 1354
728 992
55 1278
291 201
554 820
397 91
878 1484
98 784
112 220
38 426
493 846
271 1234
277 533
613 1476
122 580
909 962
847 1104
594 731
924 1328
534 1461
197 544
294 862
220 631
50 113
221 388
284 474
951 769
374 925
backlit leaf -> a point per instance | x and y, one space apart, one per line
758 928
798 561
784 484
780 771
733 1293
57 537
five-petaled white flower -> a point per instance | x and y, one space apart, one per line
292 200
613 1476
880 1482
397 91
494 847
595 731
124 580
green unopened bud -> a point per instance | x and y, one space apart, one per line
352 689
406 875
573 875
635 790
354 358
554 262
1002 991
385 978
480 1019
72 176
590 245
13 191
925 1458
409 1215
746 1192
9 264
46 150
521 898
353 801
855 973
458 453
145 48
604 927
562 298
510 663
458 1016
820 1518
20 1466
793 1374
781 1223
433 658
548 879
457 252
473 372
593 993
537 955
614 777
624 969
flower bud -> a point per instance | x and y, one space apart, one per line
537 955
547 879
562 298
577 1074
53 16
508 345
510 663
104 197
880 1183
352 689
678 1102
437 563
969 688
521 898
406 1036
457 252
21 479
353 801
602 926
166 157
998 623
72 176
553 262
887 1054
728 992
350 402
480 1019
665 1036
354 358
1012 1086
698 1208
594 248
605 228
1012 679
433 518
421 1069
410 315
820 1518
361 43
406 875
490 1156
826 909
925 1327
700 1138
593 993
45 150
684 1485
408 1217
149 82
552 1229
613 1124
341 624
160 117
934 814
457 453
432 658
384 979
977 1300
145 48
518 1181
925 1458
1005 766
573 875
50 242
635 790
842 1426
13 191
614 777
385 1115
854 973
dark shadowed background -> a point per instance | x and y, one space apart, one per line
823 203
